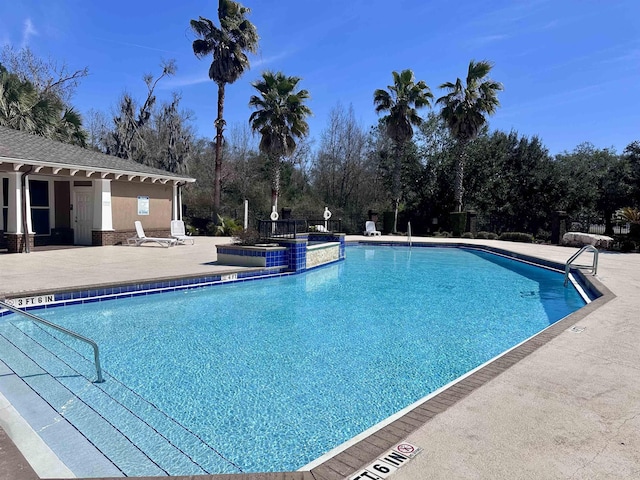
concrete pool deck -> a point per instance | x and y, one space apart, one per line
565 407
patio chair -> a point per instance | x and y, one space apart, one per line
141 238
370 229
179 233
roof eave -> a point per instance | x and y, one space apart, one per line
58 165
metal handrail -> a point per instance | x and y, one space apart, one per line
594 265
96 351
409 233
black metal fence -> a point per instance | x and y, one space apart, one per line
293 228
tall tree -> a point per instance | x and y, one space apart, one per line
25 107
465 108
338 169
126 140
47 76
632 156
280 118
402 101
228 44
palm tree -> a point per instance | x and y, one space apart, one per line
23 107
464 110
229 45
402 101
280 118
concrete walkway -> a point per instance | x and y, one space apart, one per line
569 410
69 268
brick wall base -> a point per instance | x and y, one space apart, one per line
120 237
15 242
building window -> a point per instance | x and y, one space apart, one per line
5 202
39 195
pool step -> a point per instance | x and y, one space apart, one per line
66 404
127 439
192 447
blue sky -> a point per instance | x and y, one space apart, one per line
570 68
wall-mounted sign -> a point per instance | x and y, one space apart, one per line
143 205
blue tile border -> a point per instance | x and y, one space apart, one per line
152 288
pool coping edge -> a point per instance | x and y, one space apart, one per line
354 457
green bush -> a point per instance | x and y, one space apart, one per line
486 235
247 237
442 234
543 236
516 237
627 246
191 230
467 235
227 227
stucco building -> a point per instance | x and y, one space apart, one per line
57 194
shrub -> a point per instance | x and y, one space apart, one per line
442 234
627 246
467 235
191 230
227 227
486 235
516 237
628 214
543 236
247 237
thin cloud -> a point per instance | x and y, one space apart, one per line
630 56
266 61
552 101
28 31
188 80
136 45
512 13
185 81
482 41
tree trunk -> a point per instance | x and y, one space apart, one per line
396 202
608 224
458 183
396 182
219 124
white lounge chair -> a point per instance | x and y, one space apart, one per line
142 238
179 233
370 228
321 228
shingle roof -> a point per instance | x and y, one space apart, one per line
17 145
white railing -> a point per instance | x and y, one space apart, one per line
569 264
94 345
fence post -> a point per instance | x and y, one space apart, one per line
558 226
472 222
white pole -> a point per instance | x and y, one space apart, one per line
246 214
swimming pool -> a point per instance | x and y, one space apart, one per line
268 375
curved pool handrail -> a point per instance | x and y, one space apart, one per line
94 345
594 265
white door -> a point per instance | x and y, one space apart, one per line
82 216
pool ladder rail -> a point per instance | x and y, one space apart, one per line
593 267
94 345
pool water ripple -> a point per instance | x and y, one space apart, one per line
273 373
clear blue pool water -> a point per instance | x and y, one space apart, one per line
269 375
